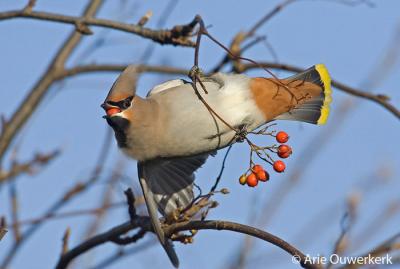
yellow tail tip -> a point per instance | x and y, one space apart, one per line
326 81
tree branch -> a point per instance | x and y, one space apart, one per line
145 225
140 68
18 168
139 221
178 35
3 232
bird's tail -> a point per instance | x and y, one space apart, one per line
316 109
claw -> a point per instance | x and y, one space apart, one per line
195 71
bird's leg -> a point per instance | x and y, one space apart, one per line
197 75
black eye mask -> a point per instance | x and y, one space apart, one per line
123 104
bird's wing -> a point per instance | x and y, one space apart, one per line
167 184
171 180
166 85
152 209
215 79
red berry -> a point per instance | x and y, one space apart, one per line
262 175
284 151
242 179
282 137
257 168
279 166
252 180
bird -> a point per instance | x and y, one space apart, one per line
174 129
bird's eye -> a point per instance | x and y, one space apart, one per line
126 103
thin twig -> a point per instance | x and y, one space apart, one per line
168 11
140 68
130 200
268 16
28 167
15 212
65 241
383 248
214 187
339 246
69 214
3 232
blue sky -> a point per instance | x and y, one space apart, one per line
351 41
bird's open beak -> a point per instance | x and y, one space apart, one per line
110 110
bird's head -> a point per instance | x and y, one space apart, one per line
119 102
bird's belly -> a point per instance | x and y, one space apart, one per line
194 137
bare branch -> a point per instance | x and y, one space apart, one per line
15 211
2 233
29 167
65 241
178 35
268 16
144 224
3 229
119 68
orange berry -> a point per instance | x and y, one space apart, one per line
113 111
282 137
279 166
252 180
262 175
242 179
284 151
257 168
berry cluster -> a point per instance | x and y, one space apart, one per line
257 173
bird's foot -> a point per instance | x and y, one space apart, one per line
195 72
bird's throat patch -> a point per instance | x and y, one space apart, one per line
120 126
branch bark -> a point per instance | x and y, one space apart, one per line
144 223
174 36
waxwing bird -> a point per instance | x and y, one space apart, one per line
171 132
